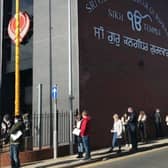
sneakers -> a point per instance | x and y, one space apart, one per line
128 146
86 158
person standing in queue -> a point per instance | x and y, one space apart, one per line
15 133
78 138
132 128
5 127
142 126
166 120
117 133
126 135
85 134
158 123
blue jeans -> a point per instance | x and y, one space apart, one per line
14 155
86 145
80 144
116 141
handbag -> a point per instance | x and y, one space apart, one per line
76 131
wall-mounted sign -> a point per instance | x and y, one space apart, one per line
132 24
123 51
24 26
54 92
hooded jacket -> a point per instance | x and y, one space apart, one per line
85 126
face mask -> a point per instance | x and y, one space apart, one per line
16 120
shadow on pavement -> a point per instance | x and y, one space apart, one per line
105 155
141 149
56 164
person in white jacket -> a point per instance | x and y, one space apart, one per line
76 132
117 132
166 119
142 126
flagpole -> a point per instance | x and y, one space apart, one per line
17 61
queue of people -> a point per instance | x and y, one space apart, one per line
124 129
130 129
134 128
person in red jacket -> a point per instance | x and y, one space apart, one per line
85 134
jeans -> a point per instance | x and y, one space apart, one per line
80 144
14 155
86 145
116 141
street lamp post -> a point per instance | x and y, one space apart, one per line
17 60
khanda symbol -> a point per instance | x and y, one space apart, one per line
136 19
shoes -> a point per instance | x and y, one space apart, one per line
86 158
130 146
79 157
127 146
133 150
110 150
119 151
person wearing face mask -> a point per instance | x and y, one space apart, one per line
15 133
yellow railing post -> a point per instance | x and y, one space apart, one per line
17 60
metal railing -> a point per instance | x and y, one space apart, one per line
42 130
63 128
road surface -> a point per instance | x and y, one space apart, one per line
157 158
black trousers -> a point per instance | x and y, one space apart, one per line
127 137
133 136
158 128
142 132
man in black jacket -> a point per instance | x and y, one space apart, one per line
132 127
15 136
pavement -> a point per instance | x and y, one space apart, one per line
97 155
